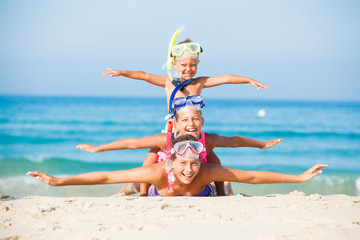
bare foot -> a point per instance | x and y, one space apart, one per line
128 189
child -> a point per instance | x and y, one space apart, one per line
192 177
185 57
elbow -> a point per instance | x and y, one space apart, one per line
252 180
228 78
238 141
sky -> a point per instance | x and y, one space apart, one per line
303 49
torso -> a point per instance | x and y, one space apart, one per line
193 89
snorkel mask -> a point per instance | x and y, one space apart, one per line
187 149
179 104
180 52
186 50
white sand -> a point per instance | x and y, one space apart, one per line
291 216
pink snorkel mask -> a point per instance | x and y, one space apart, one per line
188 149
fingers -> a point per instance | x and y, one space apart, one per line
319 166
109 71
272 143
275 141
39 175
316 170
257 85
82 146
34 174
264 86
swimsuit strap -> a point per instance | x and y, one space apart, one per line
185 83
203 153
208 191
153 192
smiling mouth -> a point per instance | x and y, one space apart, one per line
187 176
187 74
190 131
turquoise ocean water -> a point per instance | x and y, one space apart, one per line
40 133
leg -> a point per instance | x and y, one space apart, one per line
128 189
228 189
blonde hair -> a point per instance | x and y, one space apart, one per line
177 112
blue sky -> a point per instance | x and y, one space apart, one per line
303 49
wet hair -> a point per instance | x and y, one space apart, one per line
186 106
182 138
187 40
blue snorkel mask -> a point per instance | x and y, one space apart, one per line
182 102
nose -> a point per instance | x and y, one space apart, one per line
191 123
188 168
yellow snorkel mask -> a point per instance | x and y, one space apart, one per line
191 47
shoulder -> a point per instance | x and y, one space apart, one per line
158 172
207 170
211 140
159 137
211 136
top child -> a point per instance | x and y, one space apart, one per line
185 59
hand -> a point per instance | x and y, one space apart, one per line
112 72
46 178
88 148
257 84
272 143
312 172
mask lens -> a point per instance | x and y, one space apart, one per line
179 102
197 147
196 99
193 48
178 50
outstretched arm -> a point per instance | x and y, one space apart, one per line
230 79
147 174
218 173
238 141
156 141
139 75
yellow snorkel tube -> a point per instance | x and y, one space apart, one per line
171 45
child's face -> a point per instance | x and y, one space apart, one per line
186 67
185 170
189 122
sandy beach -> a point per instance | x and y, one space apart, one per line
289 216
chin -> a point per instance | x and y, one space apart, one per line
194 134
185 180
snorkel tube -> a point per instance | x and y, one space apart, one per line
169 173
177 88
169 58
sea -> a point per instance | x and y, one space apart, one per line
40 133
